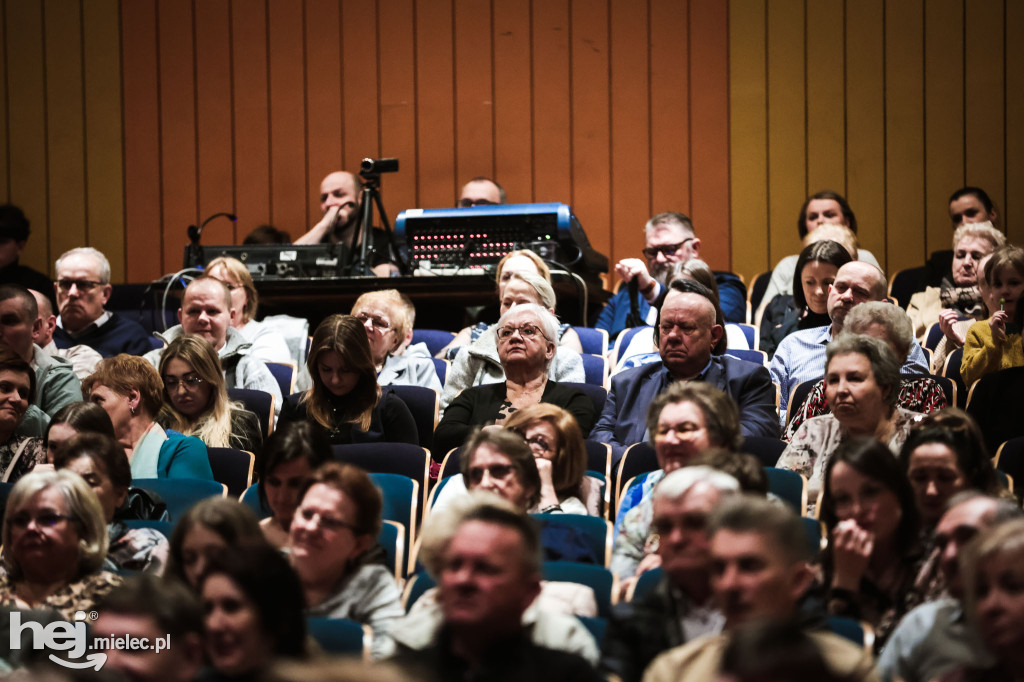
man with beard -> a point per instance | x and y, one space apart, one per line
670 239
340 204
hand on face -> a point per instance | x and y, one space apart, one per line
851 547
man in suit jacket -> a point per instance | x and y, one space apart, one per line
689 328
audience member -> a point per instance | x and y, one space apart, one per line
130 391
267 234
196 400
935 637
83 288
489 575
83 359
345 399
56 383
388 316
969 205
526 350
14 234
481 191
890 324
958 329
54 542
19 454
669 238
73 419
801 355
686 334
253 611
286 465
775 650
861 385
683 421
874 556
208 526
148 608
206 311
267 343
679 609
995 343
102 464
335 526
759 573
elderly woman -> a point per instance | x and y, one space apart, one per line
526 348
862 380
55 542
345 399
101 463
267 343
995 343
684 421
388 316
890 324
207 527
292 453
196 398
18 454
129 390
334 528
479 363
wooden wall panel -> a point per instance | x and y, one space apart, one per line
474 95
288 181
513 102
1013 205
398 103
323 94
984 97
826 100
670 61
360 62
4 174
552 155
435 104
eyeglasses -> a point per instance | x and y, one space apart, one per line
498 472
326 522
651 252
43 519
83 285
190 381
527 331
539 441
378 322
469 203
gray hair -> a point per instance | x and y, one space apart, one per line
884 365
671 219
983 230
680 481
548 322
539 284
896 323
96 254
751 514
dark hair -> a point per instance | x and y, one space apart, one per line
721 414
844 206
267 234
746 513
83 417
346 336
511 445
12 362
692 286
105 453
168 602
873 459
230 519
356 485
266 578
746 469
825 251
28 301
977 192
13 223
958 431
291 441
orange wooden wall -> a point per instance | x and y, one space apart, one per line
124 121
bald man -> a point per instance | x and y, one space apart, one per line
83 358
339 205
481 191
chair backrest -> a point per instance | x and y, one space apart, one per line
817 538
622 342
259 403
907 282
415 587
598 629
932 338
598 578
401 500
392 539
767 450
858 632
181 493
797 396
251 499
595 369
436 339
1009 457
597 394
758 356
789 486
411 461
951 369
341 636
596 531
284 375
599 457
758 288
441 367
638 458
233 468
593 340
645 584
424 403
751 334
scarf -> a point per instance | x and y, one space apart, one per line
965 300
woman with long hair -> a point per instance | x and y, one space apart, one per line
292 453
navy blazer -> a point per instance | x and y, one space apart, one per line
623 420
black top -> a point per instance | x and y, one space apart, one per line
118 335
391 422
29 278
479 405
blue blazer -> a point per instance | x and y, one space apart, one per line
622 421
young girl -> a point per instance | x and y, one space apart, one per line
995 343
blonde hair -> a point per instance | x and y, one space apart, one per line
213 426
569 465
238 272
835 232
542 267
402 311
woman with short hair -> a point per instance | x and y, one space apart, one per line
18 454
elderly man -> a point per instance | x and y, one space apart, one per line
206 311
935 638
489 576
14 233
340 202
481 191
83 359
760 572
670 239
801 355
56 383
83 288
685 335
679 609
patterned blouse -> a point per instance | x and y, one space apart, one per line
917 394
81 595
31 454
